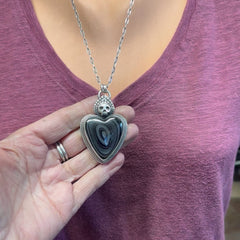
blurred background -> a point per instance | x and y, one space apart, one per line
232 219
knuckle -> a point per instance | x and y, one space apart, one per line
66 117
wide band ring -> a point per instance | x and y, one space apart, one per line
62 152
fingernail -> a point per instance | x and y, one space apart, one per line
120 158
117 163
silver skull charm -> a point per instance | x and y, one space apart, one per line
104 107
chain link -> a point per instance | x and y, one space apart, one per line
129 11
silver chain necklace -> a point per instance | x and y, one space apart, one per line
129 11
103 132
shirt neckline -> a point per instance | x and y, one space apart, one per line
75 86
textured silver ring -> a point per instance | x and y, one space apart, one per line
62 152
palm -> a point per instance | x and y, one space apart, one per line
35 187
38 193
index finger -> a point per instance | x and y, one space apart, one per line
60 123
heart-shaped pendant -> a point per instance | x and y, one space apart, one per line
103 137
103 134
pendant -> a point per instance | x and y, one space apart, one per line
103 133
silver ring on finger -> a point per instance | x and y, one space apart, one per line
62 152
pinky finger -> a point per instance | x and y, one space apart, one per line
94 179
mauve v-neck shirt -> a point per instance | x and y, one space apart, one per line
177 178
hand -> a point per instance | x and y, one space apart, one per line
38 194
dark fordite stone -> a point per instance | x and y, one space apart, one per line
104 135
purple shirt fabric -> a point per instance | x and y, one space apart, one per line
177 178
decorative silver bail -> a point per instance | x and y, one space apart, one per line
104 91
104 88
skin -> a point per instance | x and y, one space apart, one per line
151 28
39 194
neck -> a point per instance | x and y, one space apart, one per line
104 19
101 16
104 8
